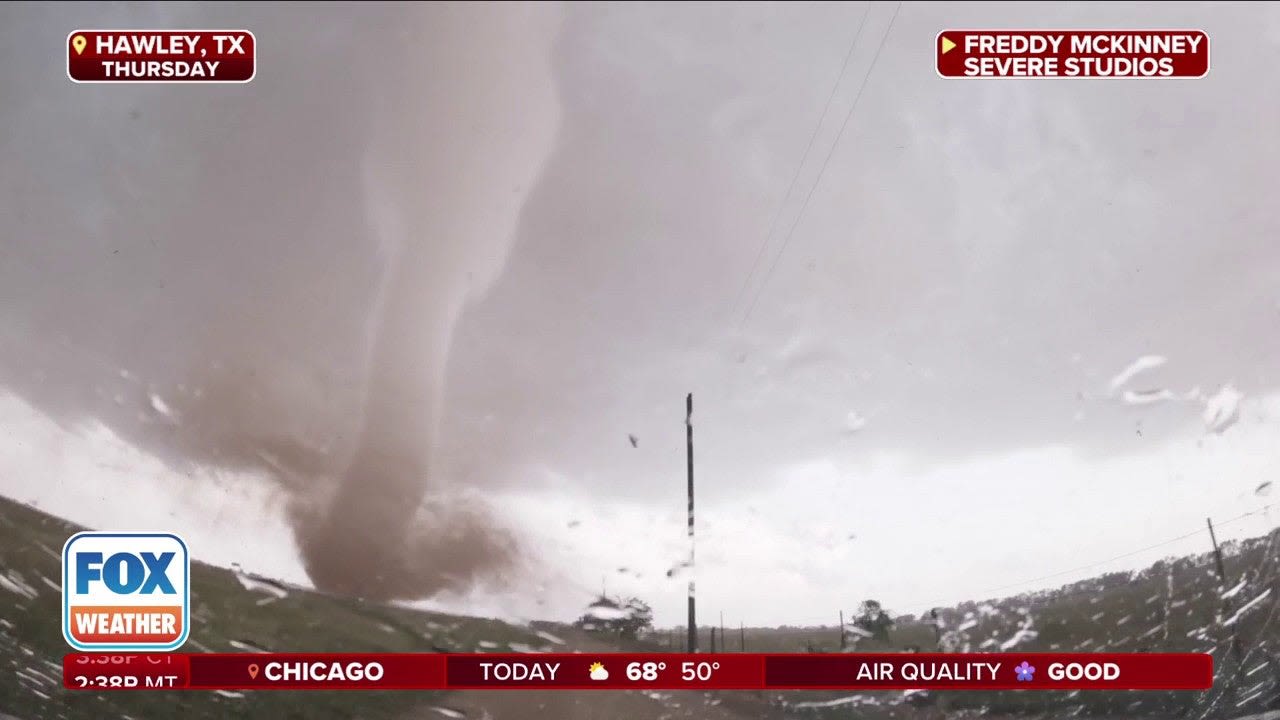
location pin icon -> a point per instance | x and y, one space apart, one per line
78 42
253 672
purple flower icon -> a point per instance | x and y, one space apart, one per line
1025 671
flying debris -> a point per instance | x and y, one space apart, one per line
1264 489
14 583
1024 632
635 442
853 422
549 637
678 568
1022 635
257 583
854 700
244 646
1135 368
1228 594
611 611
161 408
1246 608
228 694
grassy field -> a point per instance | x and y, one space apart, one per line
1177 605
228 615
238 613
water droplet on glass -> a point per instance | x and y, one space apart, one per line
1135 368
1222 410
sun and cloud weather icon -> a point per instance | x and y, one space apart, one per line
598 672
1025 671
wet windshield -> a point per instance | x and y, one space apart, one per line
414 336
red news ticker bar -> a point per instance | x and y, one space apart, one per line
1103 53
161 56
579 671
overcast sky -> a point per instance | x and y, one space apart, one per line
918 406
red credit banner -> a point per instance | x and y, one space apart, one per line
1072 53
613 671
161 56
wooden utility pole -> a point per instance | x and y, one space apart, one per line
843 640
742 637
724 643
713 638
1217 553
1222 577
688 435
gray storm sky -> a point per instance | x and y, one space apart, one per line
975 263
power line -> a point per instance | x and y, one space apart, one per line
818 181
1139 551
1261 632
804 159
1122 556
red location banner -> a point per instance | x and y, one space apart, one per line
258 671
346 671
615 671
161 56
1072 53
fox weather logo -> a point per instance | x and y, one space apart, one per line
126 591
